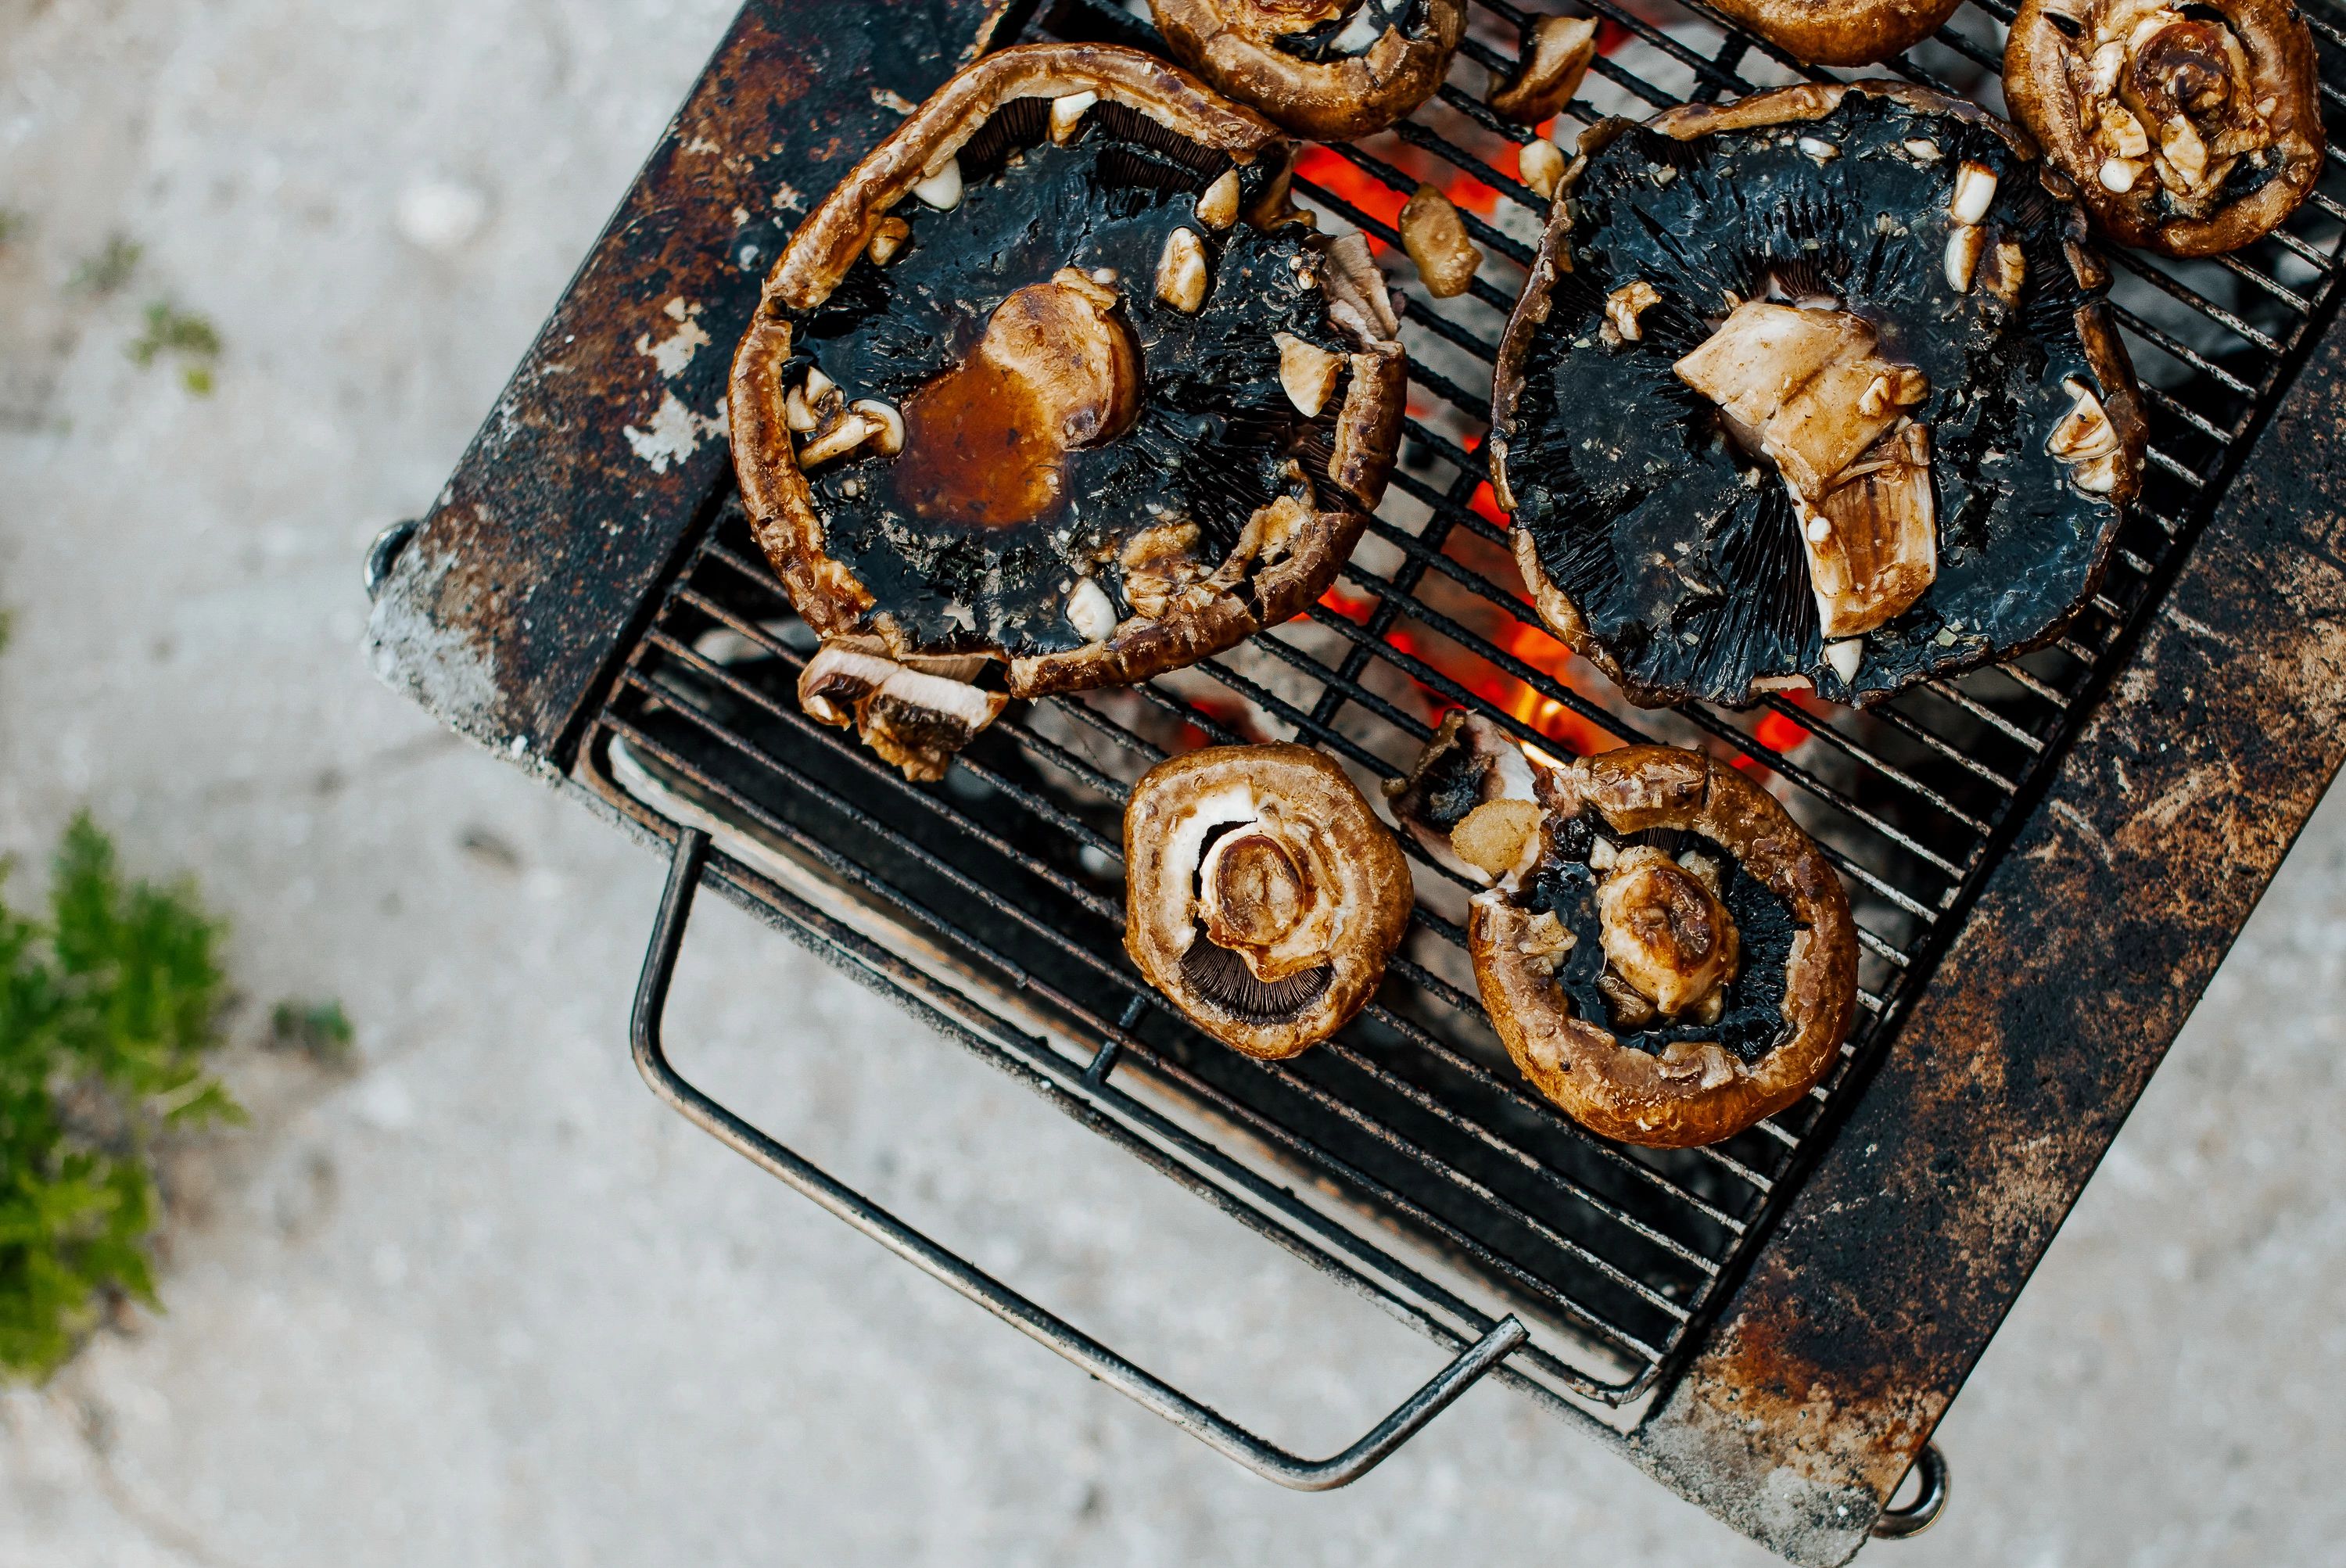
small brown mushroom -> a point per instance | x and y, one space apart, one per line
2188 129
1663 993
1261 894
1327 69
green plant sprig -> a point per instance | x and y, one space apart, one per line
107 1010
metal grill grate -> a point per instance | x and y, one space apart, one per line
991 903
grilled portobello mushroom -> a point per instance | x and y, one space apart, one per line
1819 389
1056 388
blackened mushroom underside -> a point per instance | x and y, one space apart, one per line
1678 553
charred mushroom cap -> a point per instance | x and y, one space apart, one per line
1327 69
1261 894
1037 414
1679 963
2189 129
1827 352
1841 32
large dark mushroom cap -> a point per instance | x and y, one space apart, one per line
1064 291
2084 77
1327 69
1261 894
1653 543
1541 951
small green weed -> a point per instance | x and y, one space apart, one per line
108 1008
191 338
319 1030
111 271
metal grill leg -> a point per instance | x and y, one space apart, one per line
1200 1420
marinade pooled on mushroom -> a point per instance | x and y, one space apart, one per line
1819 389
1327 69
1056 381
1261 894
2188 129
1667 957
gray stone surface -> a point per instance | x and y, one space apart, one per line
482 1301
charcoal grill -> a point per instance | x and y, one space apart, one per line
2047 859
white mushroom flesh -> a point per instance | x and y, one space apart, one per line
1845 656
1218 204
1818 149
1307 373
1805 389
2118 173
1623 305
1974 194
1964 245
1556 57
837 439
888 237
941 187
1540 164
1067 113
1664 931
888 436
1181 271
1091 612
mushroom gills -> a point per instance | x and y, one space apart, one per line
1222 977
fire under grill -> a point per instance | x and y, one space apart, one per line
1407 1158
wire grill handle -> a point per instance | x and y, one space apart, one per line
1200 1420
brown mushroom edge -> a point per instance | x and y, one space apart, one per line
1234 45
1692 1092
1262 896
2069 61
2095 327
1841 32
1287 553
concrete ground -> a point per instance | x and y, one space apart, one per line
480 1300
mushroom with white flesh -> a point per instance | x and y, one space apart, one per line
1555 54
1040 438
1262 897
2187 128
1676 960
1327 69
1756 426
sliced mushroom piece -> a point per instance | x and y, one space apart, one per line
1435 238
1665 995
1845 336
2189 129
1555 55
1623 305
974 465
1181 271
1307 372
1877 551
1540 164
1261 895
1470 764
1327 69
919 722
916 718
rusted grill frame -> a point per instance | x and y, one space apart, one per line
535 704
